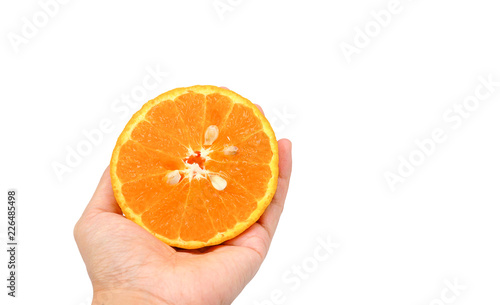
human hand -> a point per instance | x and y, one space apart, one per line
128 265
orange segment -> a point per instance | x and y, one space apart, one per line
254 149
218 107
157 139
223 214
196 224
136 163
164 217
165 117
253 177
191 107
143 193
241 123
238 201
195 166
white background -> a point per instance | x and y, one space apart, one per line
348 121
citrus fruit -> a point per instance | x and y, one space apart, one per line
195 166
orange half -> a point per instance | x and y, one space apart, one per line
195 166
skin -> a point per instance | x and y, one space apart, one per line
128 265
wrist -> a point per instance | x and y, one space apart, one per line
120 297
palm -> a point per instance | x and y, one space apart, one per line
138 252
122 256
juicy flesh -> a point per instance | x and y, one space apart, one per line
186 186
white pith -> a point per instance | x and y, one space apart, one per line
194 171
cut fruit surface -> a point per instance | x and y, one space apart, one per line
195 166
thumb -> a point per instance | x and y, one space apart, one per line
103 199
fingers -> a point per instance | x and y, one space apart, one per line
285 162
103 199
269 220
260 108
